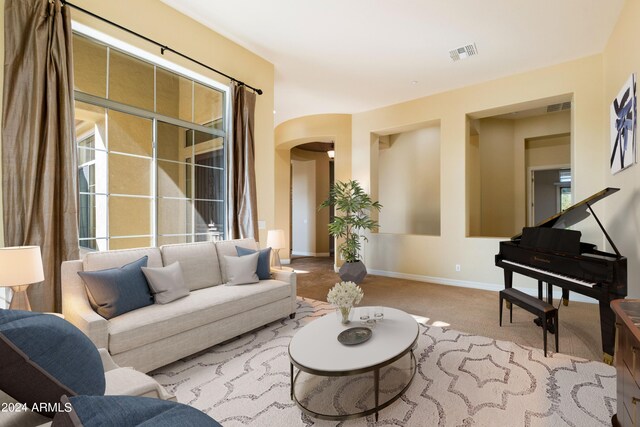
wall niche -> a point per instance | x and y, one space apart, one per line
505 148
408 179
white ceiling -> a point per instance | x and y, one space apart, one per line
347 56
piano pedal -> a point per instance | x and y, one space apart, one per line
550 326
508 305
565 301
607 358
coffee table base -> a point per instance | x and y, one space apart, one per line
376 385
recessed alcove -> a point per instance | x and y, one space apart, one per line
407 165
507 150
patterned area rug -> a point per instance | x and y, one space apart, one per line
461 380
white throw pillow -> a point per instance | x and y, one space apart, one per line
242 270
166 283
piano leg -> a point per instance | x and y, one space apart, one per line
508 282
540 282
565 297
607 328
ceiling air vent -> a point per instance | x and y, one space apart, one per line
463 52
558 107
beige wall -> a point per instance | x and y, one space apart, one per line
185 35
554 151
409 182
321 127
497 187
622 210
473 189
434 257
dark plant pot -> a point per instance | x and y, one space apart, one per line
353 272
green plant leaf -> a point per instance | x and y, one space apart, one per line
352 216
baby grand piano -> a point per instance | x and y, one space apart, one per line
550 253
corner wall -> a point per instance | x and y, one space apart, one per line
622 210
433 258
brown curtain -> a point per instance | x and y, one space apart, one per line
38 155
243 207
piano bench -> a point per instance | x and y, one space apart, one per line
533 305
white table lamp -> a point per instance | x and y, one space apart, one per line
275 240
20 266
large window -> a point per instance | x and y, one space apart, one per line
151 152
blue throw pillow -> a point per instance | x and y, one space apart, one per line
263 271
43 357
115 291
128 411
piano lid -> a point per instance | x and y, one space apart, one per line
575 213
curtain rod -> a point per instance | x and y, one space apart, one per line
162 47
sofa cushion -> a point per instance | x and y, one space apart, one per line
115 291
228 248
199 262
113 259
264 260
43 357
242 270
166 283
128 411
155 322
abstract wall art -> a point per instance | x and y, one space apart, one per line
623 127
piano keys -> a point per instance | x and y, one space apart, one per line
553 254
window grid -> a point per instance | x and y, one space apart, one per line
108 105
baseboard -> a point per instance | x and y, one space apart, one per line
474 285
316 254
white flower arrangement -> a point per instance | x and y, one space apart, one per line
345 294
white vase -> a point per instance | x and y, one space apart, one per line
344 314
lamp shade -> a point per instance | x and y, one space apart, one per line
20 265
275 239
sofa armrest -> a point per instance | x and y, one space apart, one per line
129 382
76 307
107 362
290 277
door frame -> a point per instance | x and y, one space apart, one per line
531 187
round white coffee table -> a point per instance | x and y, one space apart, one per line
315 349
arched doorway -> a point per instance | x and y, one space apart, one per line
311 178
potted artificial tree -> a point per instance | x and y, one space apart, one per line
353 207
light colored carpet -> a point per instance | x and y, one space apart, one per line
462 380
470 310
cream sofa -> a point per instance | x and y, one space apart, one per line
156 335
